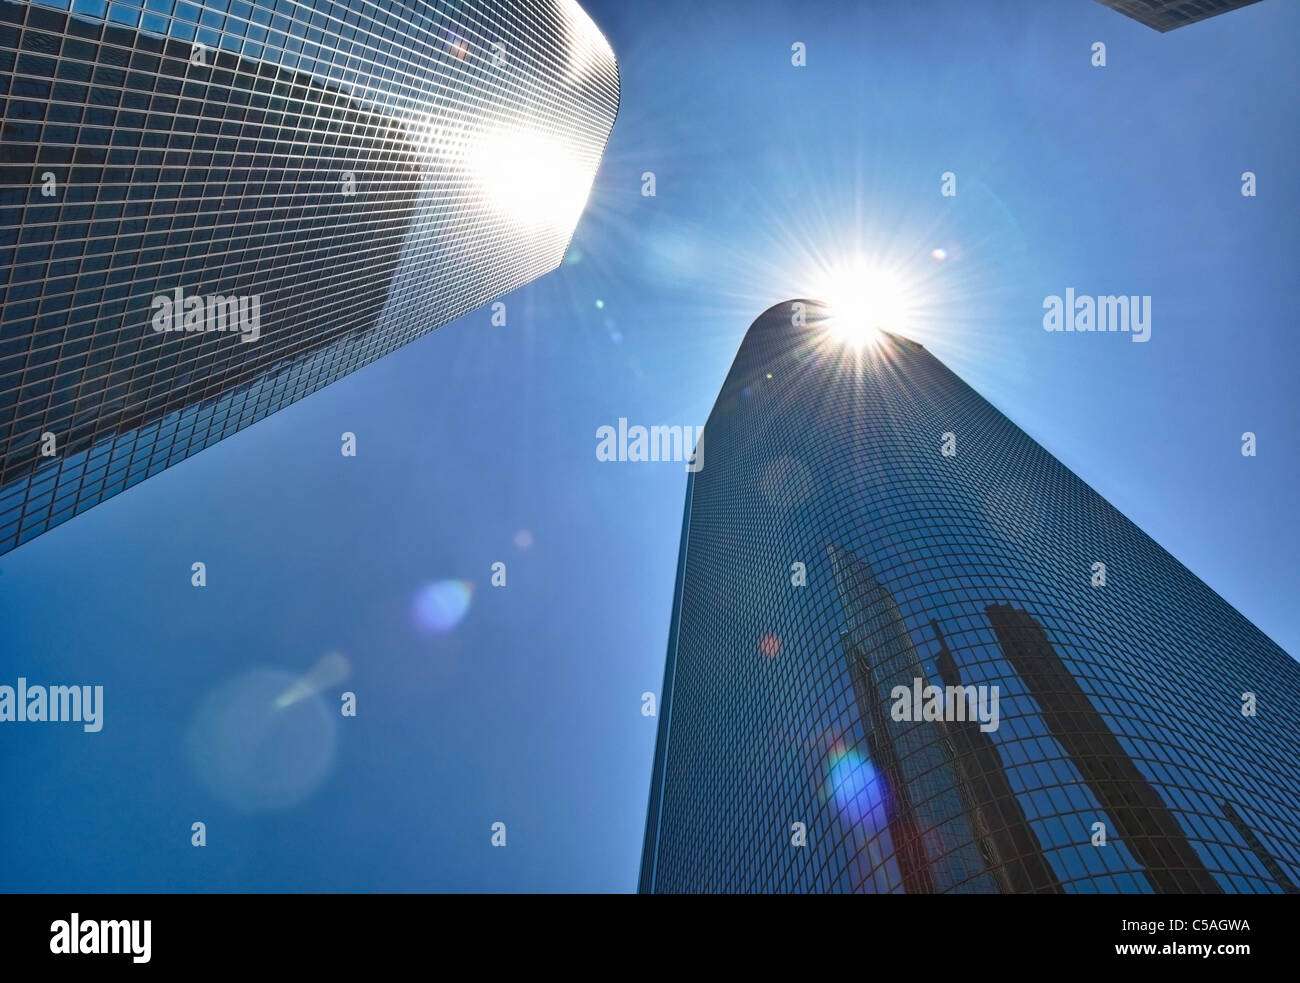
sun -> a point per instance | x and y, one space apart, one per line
862 301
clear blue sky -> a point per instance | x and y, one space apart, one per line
1117 180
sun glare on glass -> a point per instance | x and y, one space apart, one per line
531 178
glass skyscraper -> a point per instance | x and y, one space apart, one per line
211 209
911 652
1165 15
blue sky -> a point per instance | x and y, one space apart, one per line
1123 179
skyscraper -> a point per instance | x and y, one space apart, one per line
1165 15
210 210
911 651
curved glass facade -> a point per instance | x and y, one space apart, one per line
912 652
325 180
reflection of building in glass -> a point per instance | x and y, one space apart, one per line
1009 847
1119 704
1257 848
1137 814
1165 15
928 826
365 172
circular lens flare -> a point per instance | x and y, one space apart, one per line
439 607
255 751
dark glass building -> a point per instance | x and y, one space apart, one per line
1165 15
912 652
210 209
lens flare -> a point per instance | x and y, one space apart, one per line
439 607
331 670
255 754
770 646
458 47
854 786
